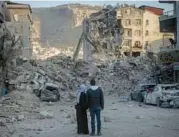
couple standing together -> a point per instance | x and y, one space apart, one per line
93 99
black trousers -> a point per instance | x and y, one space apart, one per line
82 120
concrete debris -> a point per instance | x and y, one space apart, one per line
124 98
115 77
2 123
105 30
45 115
59 77
4 132
20 117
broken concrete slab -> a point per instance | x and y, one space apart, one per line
45 115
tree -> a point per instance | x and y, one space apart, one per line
7 48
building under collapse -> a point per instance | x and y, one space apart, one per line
126 29
20 25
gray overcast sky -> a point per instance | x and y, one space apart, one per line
137 3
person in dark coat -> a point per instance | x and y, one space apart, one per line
81 107
95 100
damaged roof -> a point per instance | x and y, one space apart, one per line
9 3
155 10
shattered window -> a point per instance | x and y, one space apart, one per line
138 22
128 32
127 22
127 43
146 33
137 44
119 14
128 11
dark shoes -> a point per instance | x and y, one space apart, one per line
92 134
99 134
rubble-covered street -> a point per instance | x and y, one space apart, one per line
23 114
57 62
119 119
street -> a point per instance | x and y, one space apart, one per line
119 119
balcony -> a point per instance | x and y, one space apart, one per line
137 48
168 15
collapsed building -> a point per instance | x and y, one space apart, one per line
20 25
125 30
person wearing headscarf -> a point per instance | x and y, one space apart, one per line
81 114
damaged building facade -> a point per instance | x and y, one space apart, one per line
168 56
4 14
20 26
141 28
129 30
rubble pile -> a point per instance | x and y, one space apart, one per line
30 79
122 75
119 76
60 71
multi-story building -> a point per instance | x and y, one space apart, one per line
4 14
20 25
169 23
141 28
2 18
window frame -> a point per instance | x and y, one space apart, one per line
147 22
138 33
138 22
146 33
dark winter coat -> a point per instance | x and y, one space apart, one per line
95 97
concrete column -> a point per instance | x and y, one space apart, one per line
177 24
86 45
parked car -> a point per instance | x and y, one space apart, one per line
162 93
141 90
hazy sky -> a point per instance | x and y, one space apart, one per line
137 3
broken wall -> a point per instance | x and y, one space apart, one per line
22 30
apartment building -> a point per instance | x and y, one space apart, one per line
141 28
169 23
20 25
4 14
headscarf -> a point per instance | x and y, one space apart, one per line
82 89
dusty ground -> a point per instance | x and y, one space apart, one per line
123 119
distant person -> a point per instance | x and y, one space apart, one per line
96 103
81 107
